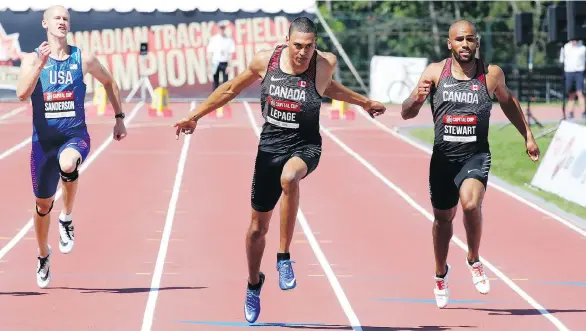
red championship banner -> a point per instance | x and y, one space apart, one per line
177 57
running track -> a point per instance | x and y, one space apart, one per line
157 213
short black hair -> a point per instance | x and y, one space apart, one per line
303 24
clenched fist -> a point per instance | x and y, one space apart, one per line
423 89
44 52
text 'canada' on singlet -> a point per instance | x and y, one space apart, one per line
58 98
461 113
290 106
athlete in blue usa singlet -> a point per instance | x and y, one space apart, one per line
52 78
58 120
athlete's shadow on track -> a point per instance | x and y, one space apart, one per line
127 290
22 294
364 328
521 312
417 328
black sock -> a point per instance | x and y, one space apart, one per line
444 275
283 256
257 285
471 263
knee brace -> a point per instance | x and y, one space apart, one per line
47 213
70 176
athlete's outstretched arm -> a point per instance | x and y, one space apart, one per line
337 91
413 103
224 93
510 106
96 69
30 70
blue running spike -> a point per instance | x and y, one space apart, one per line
252 303
287 279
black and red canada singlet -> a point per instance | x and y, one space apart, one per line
461 113
290 106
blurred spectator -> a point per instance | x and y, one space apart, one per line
573 56
221 47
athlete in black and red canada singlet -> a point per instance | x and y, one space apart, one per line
290 106
294 76
461 113
461 88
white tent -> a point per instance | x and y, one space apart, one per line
268 6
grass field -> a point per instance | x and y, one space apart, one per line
511 163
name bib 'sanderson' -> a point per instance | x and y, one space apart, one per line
59 104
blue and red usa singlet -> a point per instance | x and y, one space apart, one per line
58 98
58 120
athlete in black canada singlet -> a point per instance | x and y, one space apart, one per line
461 89
294 76
461 112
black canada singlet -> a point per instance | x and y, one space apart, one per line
461 113
290 106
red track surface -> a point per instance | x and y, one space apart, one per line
379 247
15 125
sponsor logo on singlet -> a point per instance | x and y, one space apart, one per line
285 113
59 104
460 128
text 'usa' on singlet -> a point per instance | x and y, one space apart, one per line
461 113
290 106
58 98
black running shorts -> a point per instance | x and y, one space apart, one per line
266 181
446 177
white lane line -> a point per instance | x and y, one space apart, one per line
147 321
13 112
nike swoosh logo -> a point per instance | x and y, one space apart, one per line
273 79
44 278
249 316
291 282
47 67
469 171
450 85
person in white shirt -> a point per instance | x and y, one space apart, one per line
221 48
573 56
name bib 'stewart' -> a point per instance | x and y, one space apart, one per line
460 128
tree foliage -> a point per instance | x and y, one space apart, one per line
420 29
406 28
